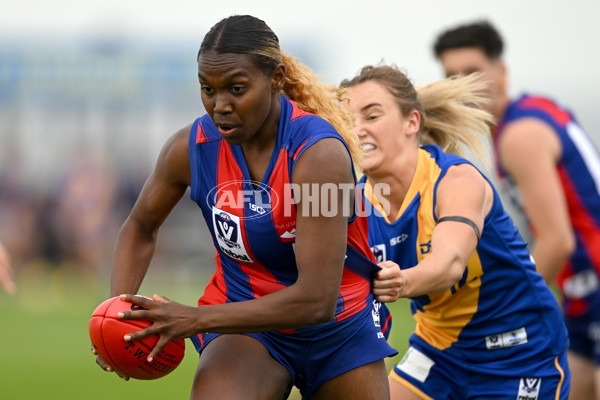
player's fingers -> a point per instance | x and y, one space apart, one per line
162 342
388 278
103 364
387 264
385 298
390 270
141 301
122 375
385 292
137 314
382 282
137 335
387 295
160 299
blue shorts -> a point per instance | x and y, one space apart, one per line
322 352
584 337
431 374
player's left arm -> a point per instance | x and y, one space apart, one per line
463 192
529 151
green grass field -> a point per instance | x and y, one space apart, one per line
45 347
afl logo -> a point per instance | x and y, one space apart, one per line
224 216
246 199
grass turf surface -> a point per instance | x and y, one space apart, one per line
45 346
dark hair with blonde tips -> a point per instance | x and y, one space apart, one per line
248 35
451 116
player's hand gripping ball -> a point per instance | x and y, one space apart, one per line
130 358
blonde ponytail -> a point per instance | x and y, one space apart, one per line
311 95
452 117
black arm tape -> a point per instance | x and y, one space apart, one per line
464 220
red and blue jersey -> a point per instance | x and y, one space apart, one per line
579 172
253 223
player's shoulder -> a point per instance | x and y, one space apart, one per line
441 158
299 119
538 106
526 133
204 130
178 142
526 141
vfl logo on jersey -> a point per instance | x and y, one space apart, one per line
227 231
379 252
506 339
529 388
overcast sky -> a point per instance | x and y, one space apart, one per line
551 46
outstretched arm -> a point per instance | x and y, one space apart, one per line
136 240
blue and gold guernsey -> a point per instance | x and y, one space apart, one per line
253 223
500 317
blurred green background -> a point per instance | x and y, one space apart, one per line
45 346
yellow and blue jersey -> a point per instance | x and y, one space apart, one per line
500 314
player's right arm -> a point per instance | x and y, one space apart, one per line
136 241
137 238
320 249
529 150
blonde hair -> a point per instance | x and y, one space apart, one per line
311 95
450 109
245 34
454 118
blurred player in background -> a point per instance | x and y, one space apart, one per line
290 302
6 279
487 326
552 171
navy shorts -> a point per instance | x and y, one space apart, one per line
431 374
322 352
584 337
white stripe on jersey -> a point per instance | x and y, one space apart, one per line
587 151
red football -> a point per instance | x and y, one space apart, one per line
130 358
